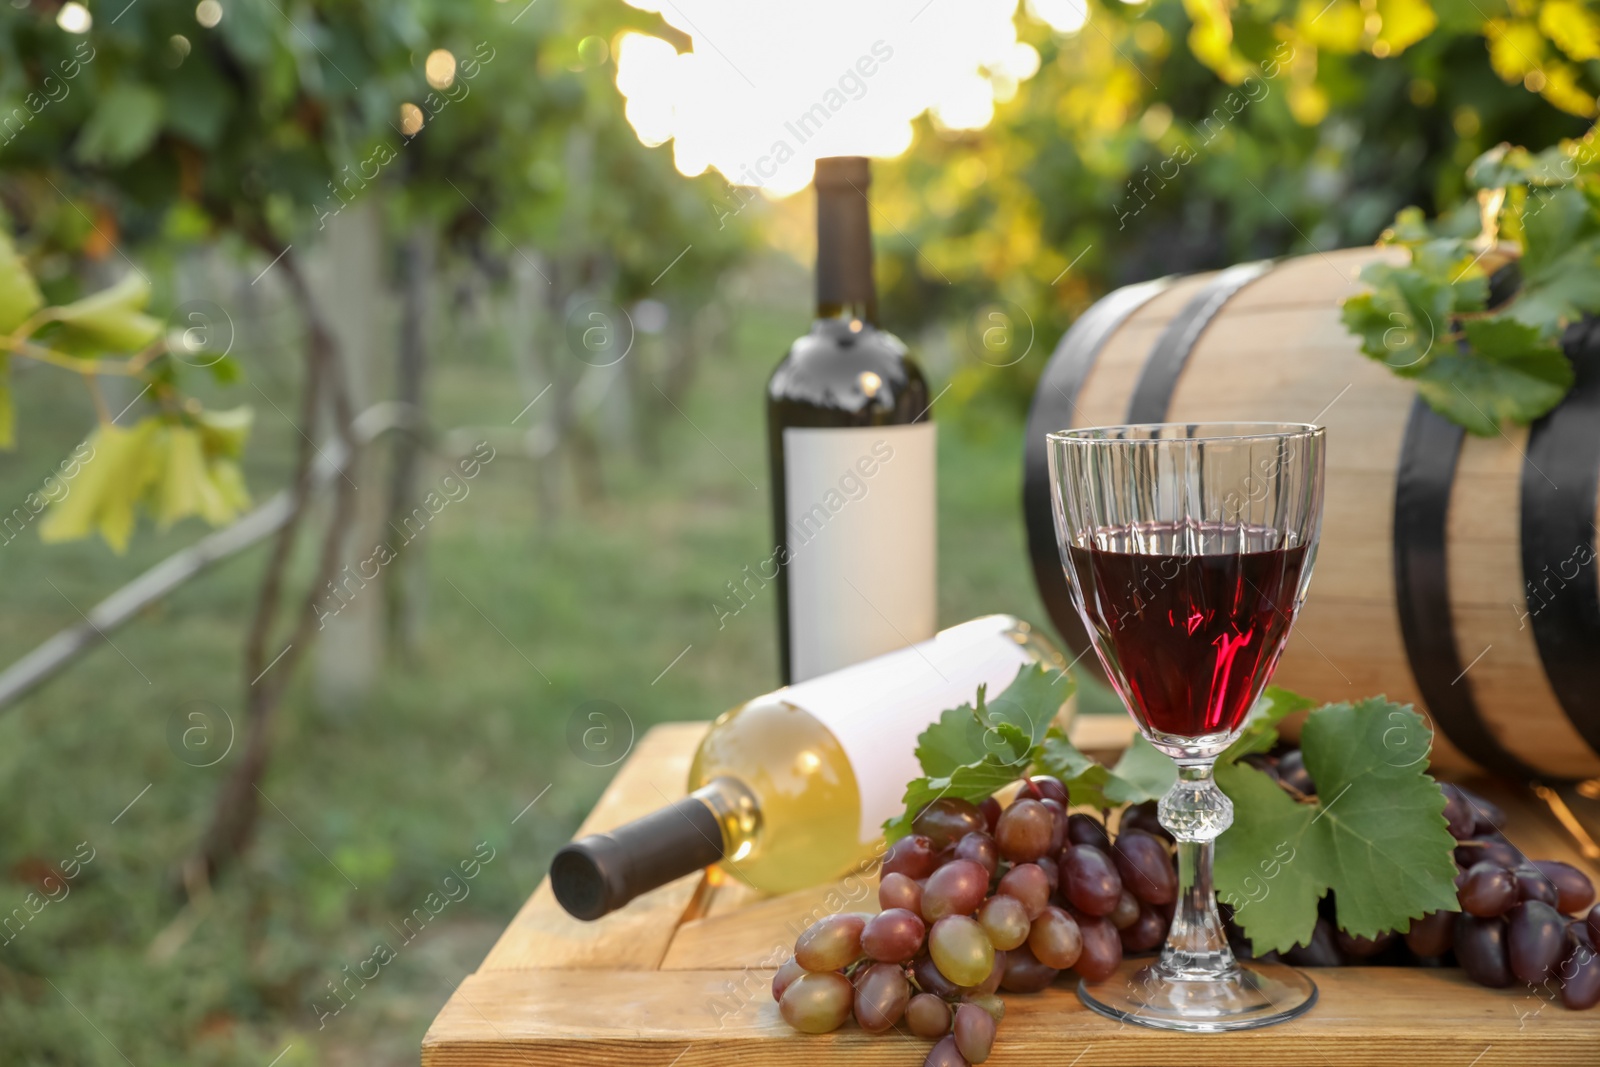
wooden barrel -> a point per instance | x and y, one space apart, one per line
1455 572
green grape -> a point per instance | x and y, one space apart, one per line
1005 920
961 950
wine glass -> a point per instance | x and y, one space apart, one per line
1188 547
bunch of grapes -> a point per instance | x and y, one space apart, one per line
980 898
1517 920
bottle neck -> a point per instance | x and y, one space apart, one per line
844 241
736 812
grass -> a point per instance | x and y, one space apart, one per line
372 804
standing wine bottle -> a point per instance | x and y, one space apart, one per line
852 451
792 788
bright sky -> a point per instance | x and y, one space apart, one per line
770 86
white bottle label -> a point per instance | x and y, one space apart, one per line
875 710
862 527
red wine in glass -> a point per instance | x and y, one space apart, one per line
1188 639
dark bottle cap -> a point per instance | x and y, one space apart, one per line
600 873
843 171
844 238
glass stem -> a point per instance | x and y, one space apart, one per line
1196 812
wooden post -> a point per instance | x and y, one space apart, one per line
349 271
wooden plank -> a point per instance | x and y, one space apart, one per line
635 937
718 1017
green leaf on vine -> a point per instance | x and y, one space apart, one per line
8 411
19 293
111 319
1506 372
1376 835
971 751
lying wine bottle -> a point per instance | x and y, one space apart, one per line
792 788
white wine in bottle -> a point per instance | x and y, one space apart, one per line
792 788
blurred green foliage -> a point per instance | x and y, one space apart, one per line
1182 135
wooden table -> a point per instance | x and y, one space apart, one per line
680 978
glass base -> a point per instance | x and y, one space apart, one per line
1255 994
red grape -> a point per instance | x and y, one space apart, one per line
1488 814
1024 973
989 1002
974 1033
784 976
914 856
1461 820
898 891
1028 883
928 1016
947 820
882 994
990 810
1024 831
1005 920
1052 871
1487 890
1058 827
1321 951
1092 884
1055 939
1102 948
1535 940
930 980
1292 773
1049 787
1433 934
944 1054
1087 830
1580 979
1145 867
1490 849
832 942
893 936
816 1003
957 888
1574 891
1126 913
1148 931
1481 950
1594 925
1360 948
981 849
1532 885
961 950
1144 817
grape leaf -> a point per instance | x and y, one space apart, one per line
1509 372
1560 260
969 781
112 318
973 751
1260 730
1144 771
1376 837
1032 699
1399 321
19 293
1088 783
963 735
8 411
